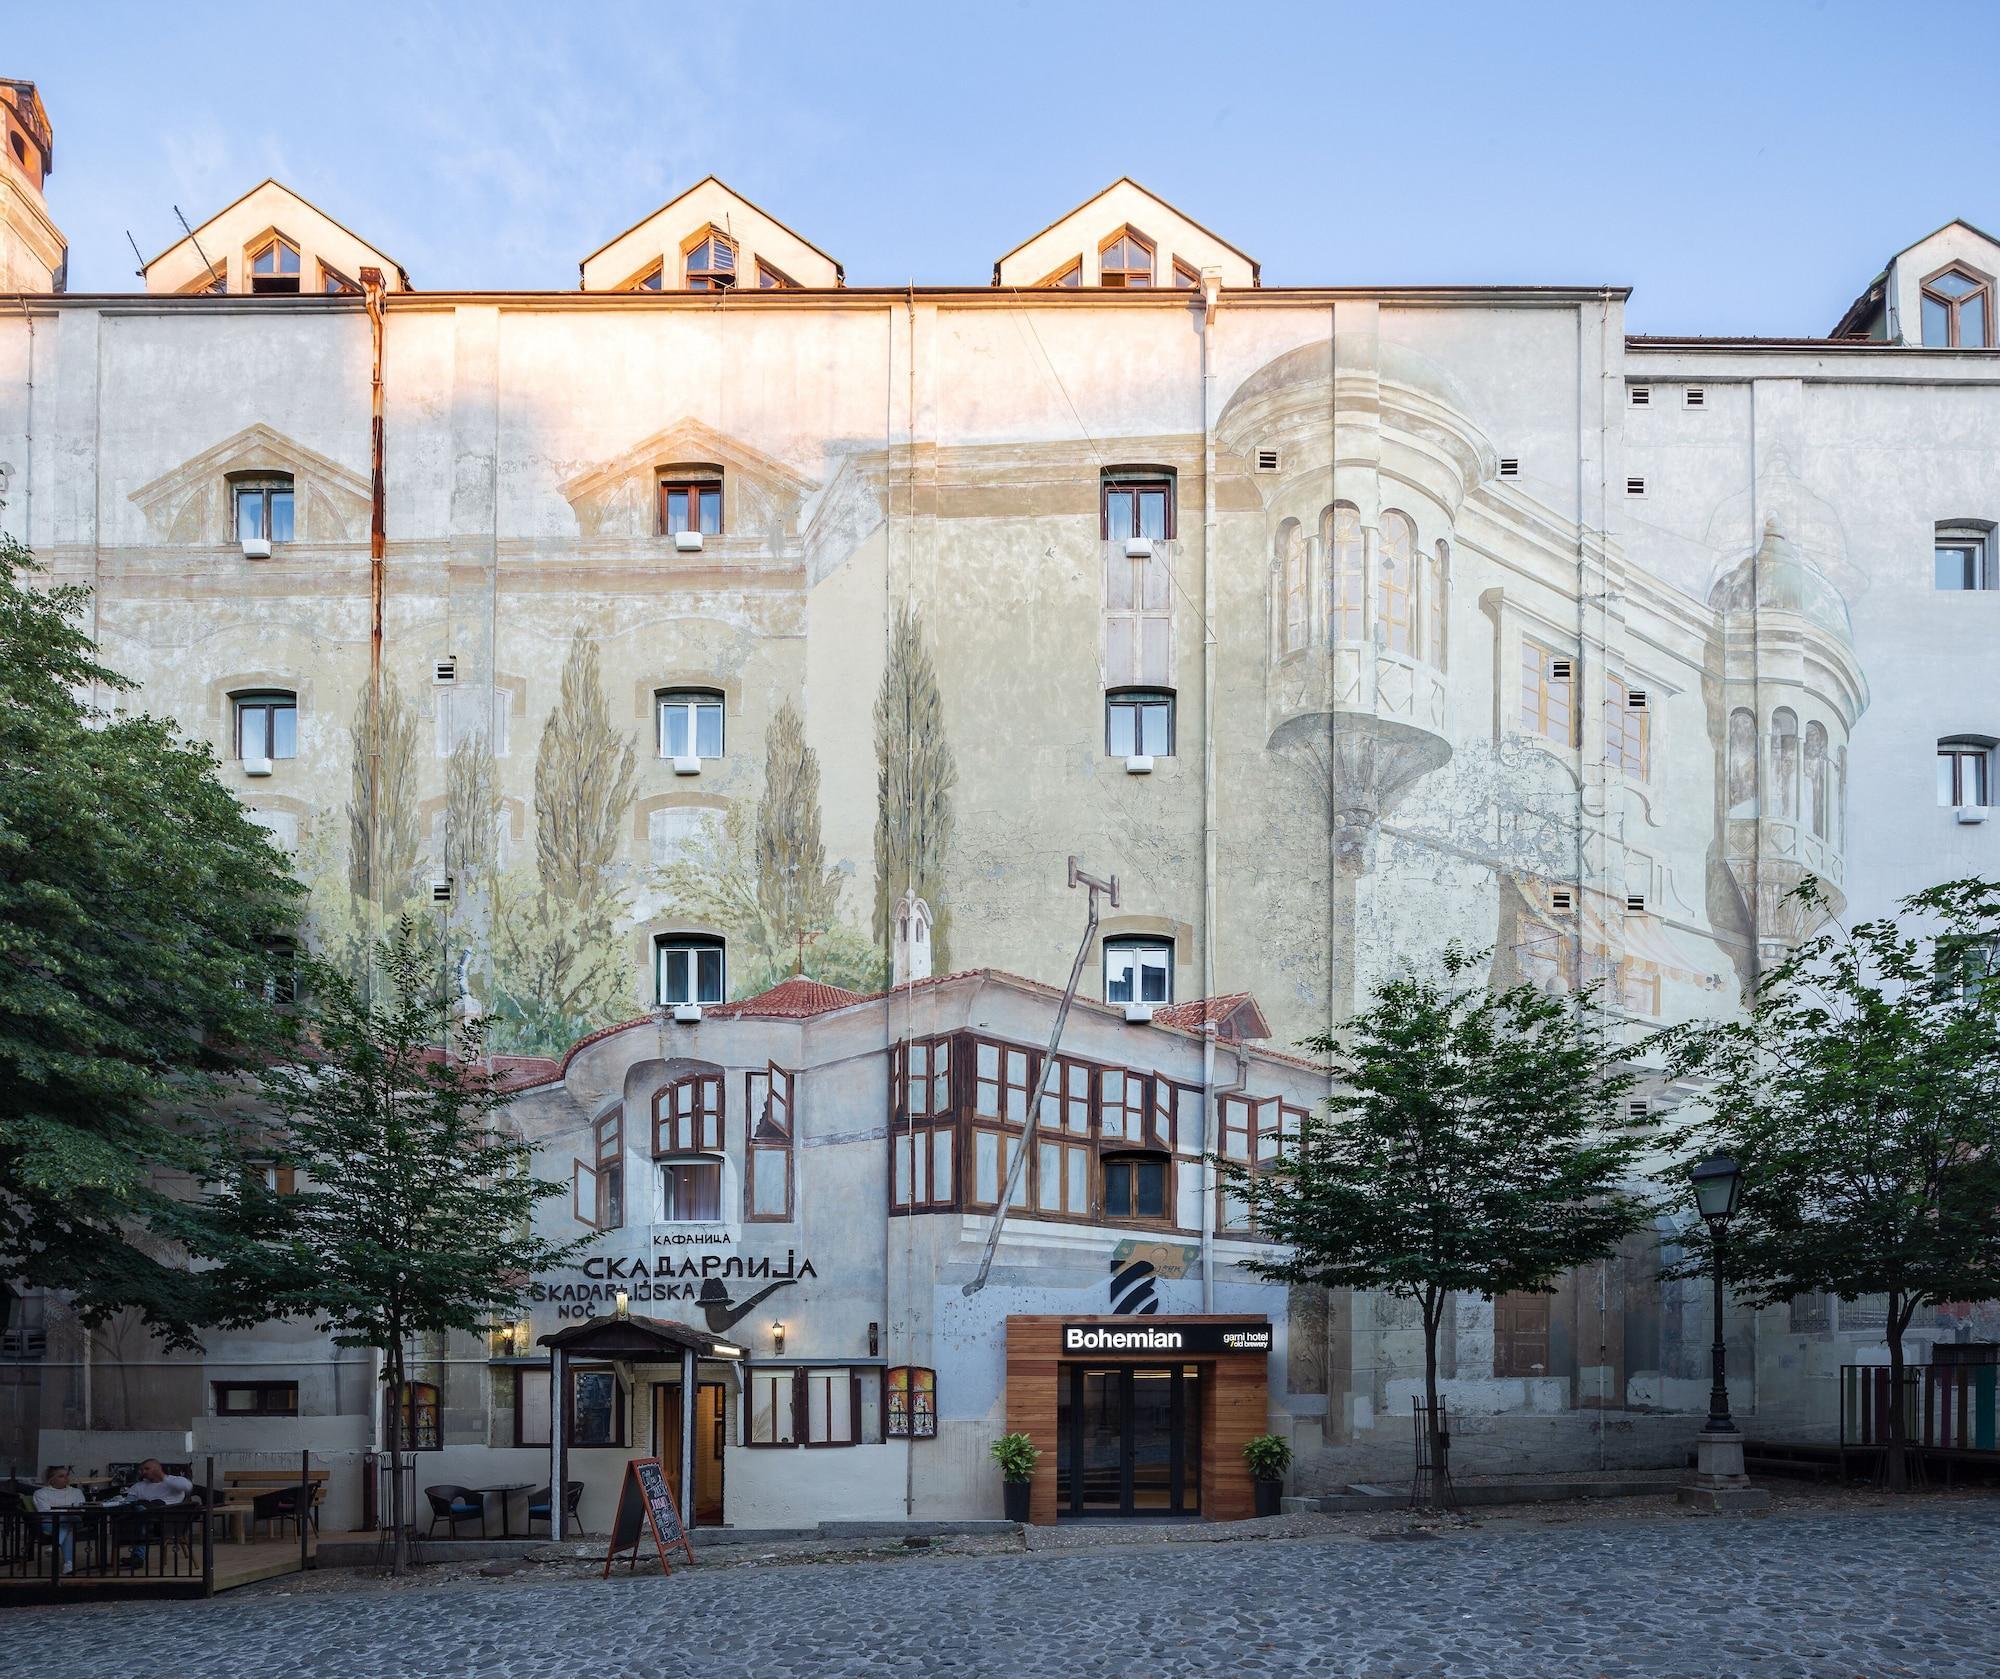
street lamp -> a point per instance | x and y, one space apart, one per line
1718 1184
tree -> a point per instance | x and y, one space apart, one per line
1470 1147
583 784
413 1204
139 907
915 774
382 860
797 894
1862 1100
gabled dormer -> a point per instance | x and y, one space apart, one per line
270 243
1124 239
709 239
1939 293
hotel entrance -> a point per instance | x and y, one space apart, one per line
1128 1440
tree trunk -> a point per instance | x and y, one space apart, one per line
393 1398
1433 1304
1896 1466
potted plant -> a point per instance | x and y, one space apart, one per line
1269 1457
1016 1458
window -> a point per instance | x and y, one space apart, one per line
1963 771
691 971
767 1154
1135 1186
531 1406
421 1420
1437 579
596 1407
264 510
691 724
276 1177
331 280
274 266
256 1399
1067 277
1547 684
1341 534
1399 544
1138 971
1969 966
923 1157
1137 505
774 279
1818 780
1186 278
267 725
815 1405
1258 1133
1294 588
1139 722
691 504
281 972
687 1116
650 279
1125 261
1964 557
771 1407
598 1188
1626 730
691 1190
710 262
1956 307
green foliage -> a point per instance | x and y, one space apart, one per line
1468 1148
1269 1456
584 776
915 775
560 967
136 905
1862 1100
1015 1456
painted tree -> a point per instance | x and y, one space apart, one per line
1862 1100
797 895
412 1207
584 776
915 777
1470 1147
382 867
137 906
471 809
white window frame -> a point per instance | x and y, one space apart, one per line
687 948
692 701
1134 949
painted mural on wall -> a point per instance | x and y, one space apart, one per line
916 777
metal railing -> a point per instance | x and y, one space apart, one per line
1946 1407
90 1542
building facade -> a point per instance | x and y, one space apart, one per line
736 624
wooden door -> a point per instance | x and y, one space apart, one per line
1521 1335
711 1410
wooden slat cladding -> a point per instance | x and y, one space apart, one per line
1235 1407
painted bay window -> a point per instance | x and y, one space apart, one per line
597 1186
922 1133
1259 1133
1138 971
1139 722
267 725
691 970
1340 535
1396 585
1627 732
1548 689
690 723
687 1116
767 1145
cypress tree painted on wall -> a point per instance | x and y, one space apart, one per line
796 894
915 776
584 777
392 882
471 808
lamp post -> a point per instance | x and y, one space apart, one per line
1718 1481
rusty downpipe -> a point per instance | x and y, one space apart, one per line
372 289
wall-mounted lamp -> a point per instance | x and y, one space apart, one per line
624 1303
778 1339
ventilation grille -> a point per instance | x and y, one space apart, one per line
1562 898
1694 397
1509 467
1635 700
1635 486
1561 670
445 672
441 889
1642 396
1267 460
1638 1108
1635 903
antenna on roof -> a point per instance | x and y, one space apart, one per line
198 251
141 255
1105 888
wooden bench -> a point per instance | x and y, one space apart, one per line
246 1486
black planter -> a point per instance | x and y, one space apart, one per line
1268 1494
1016 1493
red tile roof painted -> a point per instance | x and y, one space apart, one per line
1236 1016
797 998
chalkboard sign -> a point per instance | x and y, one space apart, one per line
645 1500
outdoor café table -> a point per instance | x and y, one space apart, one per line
501 1493
238 1517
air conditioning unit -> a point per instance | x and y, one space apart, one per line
1970 813
1139 763
1138 548
687 542
256 766
1139 1014
687 1014
256 547
687 766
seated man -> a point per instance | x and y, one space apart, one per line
54 1495
154 1486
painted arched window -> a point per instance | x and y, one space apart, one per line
1742 781
1818 787
1785 762
1393 591
1437 579
1294 603
1341 533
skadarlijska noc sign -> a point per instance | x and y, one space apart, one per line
1129 1336
709 1280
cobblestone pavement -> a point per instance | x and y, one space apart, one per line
1821 1596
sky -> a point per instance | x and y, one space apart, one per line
1745 168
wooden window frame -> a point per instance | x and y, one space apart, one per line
523 1375
1133 699
691 1128
770 277
1536 711
1123 280
1186 276
1066 278
1008 1060
274 240
1266 1123
722 241
693 485
1628 734
768 1099
268 701
1982 288
1116 482
1135 1155
333 283
653 278
422 1408
263 1407
620 1409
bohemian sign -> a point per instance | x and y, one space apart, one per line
1171 1340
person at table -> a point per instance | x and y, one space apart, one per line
52 1497
154 1486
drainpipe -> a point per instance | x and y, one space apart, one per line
371 300
1211 297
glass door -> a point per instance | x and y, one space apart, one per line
1128 1440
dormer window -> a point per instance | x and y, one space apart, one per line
710 262
274 266
691 500
264 509
335 283
1185 277
1067 277
1957 310
774 279
651 279
1125 261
